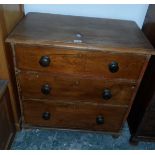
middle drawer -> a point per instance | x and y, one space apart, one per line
63 87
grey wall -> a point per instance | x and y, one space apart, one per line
134 12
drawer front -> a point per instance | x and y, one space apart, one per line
59 60
48 86
114 65
74 116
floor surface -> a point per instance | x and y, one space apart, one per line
52 139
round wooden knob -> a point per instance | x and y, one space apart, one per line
44 61
106 94
46 115
45 89
100 119
113 67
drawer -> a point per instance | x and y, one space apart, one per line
58 60
63 87
73 116
69 61
114 65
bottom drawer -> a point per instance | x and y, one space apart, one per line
73 116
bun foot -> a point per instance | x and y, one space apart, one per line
133 141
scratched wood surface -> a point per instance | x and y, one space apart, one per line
80 50
75 88
62 30
93 63
74 116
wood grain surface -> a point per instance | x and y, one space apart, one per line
59 30
94 63
75 88
80 50
73 116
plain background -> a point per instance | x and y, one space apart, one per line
135 12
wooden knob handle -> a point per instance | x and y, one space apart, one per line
44 61
100 119
46 115
106 94
113 67
46 89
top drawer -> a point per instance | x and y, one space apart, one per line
70 61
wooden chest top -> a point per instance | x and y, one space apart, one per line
80 32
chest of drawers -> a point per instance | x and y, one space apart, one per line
77 72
